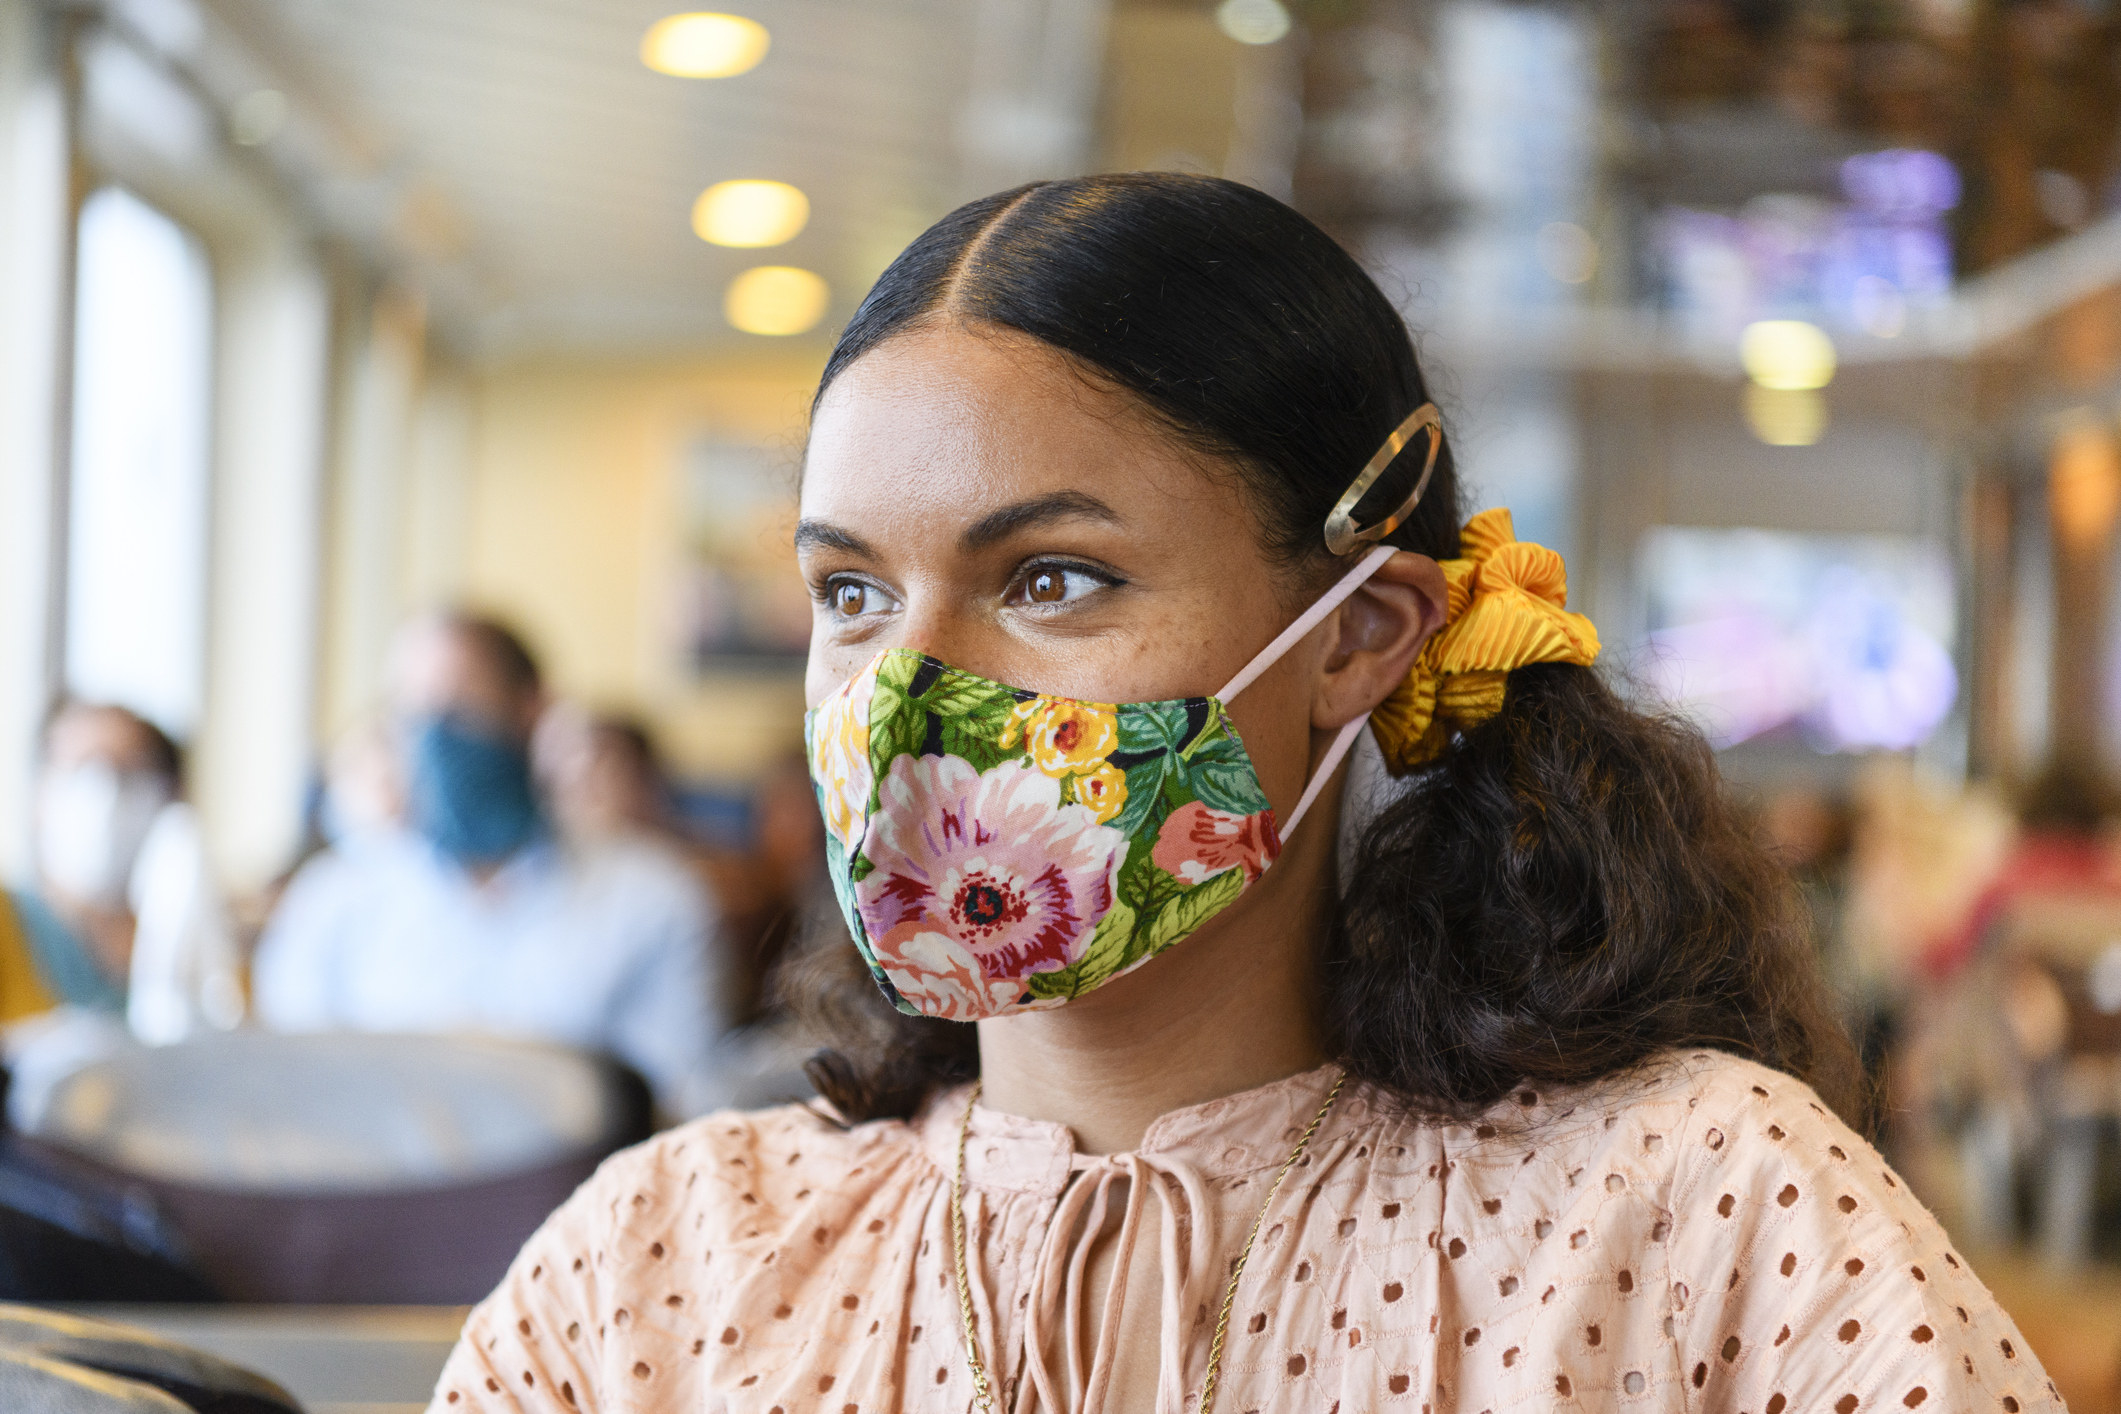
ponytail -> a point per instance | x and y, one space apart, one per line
1564 893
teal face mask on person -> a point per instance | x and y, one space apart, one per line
471 792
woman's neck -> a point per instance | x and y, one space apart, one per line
1227 1010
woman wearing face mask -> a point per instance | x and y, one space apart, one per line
1125 510
124 917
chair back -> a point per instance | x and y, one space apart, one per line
348 1167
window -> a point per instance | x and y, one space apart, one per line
139 497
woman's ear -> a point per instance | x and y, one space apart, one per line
1381 630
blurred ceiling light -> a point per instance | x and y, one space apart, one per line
776 299
257 117
1567 252
1252 21
749 213
2084 482
1787 354
704 45
1785 417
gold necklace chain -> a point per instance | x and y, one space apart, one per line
982 1392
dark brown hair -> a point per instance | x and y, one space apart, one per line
1567 892
164 756
500 645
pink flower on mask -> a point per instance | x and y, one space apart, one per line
1197 843
980 881
938 975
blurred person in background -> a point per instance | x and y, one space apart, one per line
2015 1067
602 774
1922 851
123 937
364 786
605 779
472 915
123 917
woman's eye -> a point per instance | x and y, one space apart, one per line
849 600
1057 584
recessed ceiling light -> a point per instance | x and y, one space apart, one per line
704 45
749 213
776 299
1788 354
1253 21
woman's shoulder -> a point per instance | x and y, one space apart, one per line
1797 1269
1692 1141
741 1171
1655 1116
1713 1119
1722 1103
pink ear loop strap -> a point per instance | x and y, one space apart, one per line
1289 637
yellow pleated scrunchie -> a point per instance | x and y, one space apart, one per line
1506 611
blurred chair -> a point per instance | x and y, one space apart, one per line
56 1364
72 1236
347 1168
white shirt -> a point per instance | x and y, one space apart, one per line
602 947
185 977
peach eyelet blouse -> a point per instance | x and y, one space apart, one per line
1702 1235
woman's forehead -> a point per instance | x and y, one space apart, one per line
952 425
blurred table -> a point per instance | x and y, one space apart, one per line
335 1359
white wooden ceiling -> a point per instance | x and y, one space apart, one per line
554 173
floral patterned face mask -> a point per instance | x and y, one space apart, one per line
996 850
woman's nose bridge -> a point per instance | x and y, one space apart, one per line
938 623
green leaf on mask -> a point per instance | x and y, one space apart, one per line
1189 910
1222 778
1145 888
1107 954
898 669
1145 784
1151 726
973 740
960 695
1214 729
897 727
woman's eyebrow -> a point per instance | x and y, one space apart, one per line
824 535
1057 505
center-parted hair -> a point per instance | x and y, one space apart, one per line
1567 892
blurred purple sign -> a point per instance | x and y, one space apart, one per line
1859 264
1841 639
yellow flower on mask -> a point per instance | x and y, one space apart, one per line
1063 737
839 759
1103 791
